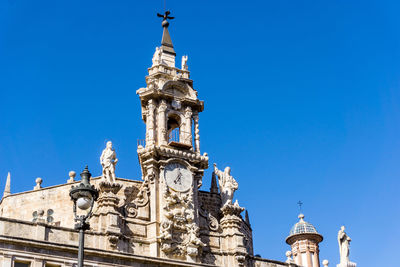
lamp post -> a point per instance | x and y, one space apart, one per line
83 195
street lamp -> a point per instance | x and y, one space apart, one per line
83 195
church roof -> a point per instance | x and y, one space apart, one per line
302 227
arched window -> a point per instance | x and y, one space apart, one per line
173 127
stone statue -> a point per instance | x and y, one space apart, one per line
184 63
108 160
344 246
227 184
156 57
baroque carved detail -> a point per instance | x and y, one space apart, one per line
172 152
141 200
212 222
179 234
231 216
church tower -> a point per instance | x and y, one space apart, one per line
304 240
170 158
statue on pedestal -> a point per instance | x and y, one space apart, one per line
108 160
344 246
227 185
184 63
157 57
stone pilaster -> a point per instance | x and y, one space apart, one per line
150 123
233 240
162 128
186 136
196 132
107 216
316 257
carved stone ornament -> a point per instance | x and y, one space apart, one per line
212 222
179 234
113 240
231 216
176 104
141 200
241 259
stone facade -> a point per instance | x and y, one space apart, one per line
162 220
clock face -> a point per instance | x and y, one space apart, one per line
178 177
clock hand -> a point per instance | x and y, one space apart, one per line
178 179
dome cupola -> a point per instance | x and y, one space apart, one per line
304 239
302 227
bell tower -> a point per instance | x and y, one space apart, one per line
170 158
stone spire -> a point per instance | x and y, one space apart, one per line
214 186
7 189
246 218
166 42
166 51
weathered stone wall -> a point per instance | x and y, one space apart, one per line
37 254
211 202
56 198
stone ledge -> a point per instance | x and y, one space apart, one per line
28 245
273 261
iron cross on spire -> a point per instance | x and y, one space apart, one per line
165 17
300 204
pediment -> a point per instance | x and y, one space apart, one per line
179 89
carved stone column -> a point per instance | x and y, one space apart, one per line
107 215
150 123
233 239
196 132
162 128
186 136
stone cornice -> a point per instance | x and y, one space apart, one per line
61 185
29 244
304 236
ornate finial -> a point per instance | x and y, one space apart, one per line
167 48
85 176
301 216
165 17
325 263
71 175
7 189
38 182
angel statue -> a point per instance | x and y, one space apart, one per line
227 184
108 160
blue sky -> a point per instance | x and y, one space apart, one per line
302 100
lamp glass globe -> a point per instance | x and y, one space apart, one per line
83 203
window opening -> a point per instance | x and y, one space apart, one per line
21 264
173 130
